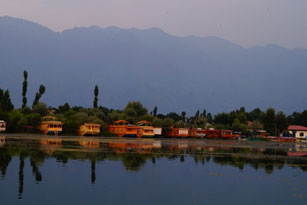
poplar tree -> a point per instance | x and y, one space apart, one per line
24 89
38 95
96 91
155 110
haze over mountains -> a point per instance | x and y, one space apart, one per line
174 73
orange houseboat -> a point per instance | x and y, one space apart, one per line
122 128
227 134
50 125
212 133
89 129
177 132
197 133
148 130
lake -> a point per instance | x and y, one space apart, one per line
87 170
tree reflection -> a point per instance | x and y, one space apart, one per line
93 168
21 174
134 155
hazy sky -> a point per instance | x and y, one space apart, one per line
246 22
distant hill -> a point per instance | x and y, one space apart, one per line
174 73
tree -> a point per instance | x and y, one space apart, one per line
204 114
24 89
96 91
281 122
134 111
64 108
174 116
155 110
40 108
269 121
38 95
256 125
6 104
238 126
222 118
183 116
209 118
197 114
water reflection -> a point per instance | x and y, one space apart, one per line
134 154
2 141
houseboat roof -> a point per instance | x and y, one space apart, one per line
297 128
49 117
144 122
121 122
92 124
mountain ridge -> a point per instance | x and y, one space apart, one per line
150 65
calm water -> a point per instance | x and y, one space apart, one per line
49 170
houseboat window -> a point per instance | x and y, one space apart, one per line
302 134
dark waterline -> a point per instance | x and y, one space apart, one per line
51 170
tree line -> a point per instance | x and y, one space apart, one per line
27 119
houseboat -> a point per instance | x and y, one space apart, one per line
197 133
122 128
148 130
226 134
157 131
89 129
2 126
297 131
212 133
177 132
50 125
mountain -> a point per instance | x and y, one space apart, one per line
174 73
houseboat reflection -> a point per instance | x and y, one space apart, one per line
50 145
2 141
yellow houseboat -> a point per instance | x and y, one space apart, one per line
50 125
148 130
2 126
89 129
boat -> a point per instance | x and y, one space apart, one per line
2 125
226 134
212 133
157 131
89 129
122 128
50 125
148 129
297 154
177 132
197 133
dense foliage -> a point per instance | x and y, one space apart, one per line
27 119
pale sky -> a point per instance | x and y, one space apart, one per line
245 22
